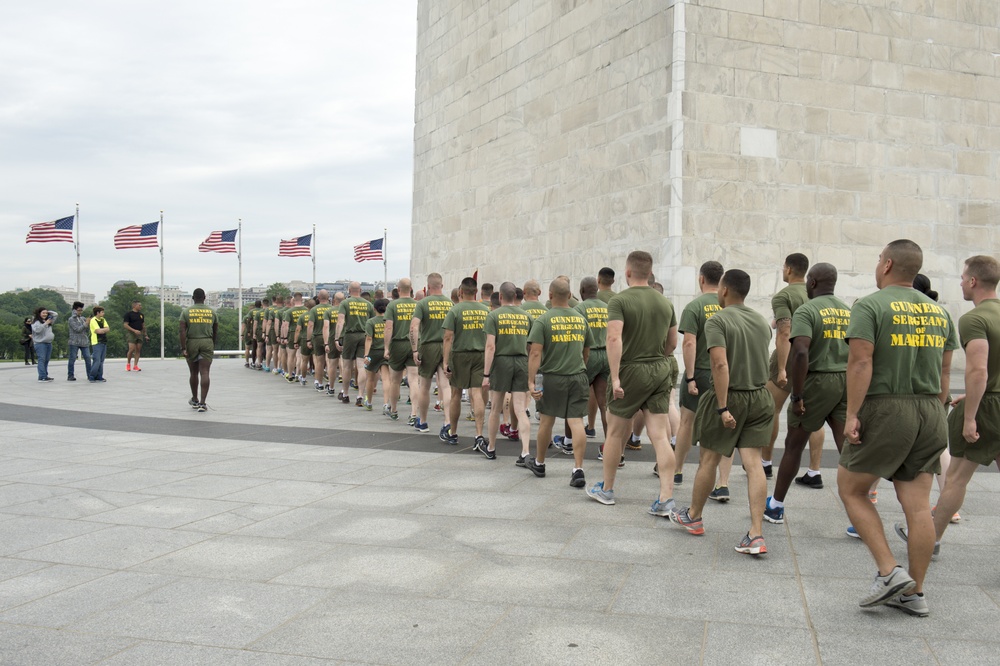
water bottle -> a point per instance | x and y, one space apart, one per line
538 382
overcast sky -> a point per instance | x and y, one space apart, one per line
283 114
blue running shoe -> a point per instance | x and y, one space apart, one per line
776 516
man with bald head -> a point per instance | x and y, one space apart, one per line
352 315
595 309
531 304
816 367
463 347
426 347
329 340
397 348
901 344
560 341
572 301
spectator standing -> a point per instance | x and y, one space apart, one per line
42 336
79 340
29 348
99 340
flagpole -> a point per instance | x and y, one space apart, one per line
385 260
76 245
161 286
239 256
313 291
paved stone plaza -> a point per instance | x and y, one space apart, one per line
283 527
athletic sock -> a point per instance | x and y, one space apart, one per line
813 472
765 463
775 504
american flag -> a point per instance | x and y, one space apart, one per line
296 247
369 251
220 241
59 231
139 235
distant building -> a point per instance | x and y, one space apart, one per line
171 294
69 295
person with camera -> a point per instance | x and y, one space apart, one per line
29 348
79 340
41 337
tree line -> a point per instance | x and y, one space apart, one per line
15 307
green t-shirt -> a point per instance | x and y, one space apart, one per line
432 310
534 308
596 312
294 319
787 301
375 329
400 312
647 317
563 334
283 319
824 320
605 295
510 325
910 333
317 315
466 321
745 336
983 323
357 311
693 319
303 327
254 318
199 320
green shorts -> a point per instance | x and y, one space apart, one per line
431 358
375 361
754 414
703 380
673 372
200 349
901 436
647 386
400 355
317 348
272 338
986 449
354 346
304 348
565 396
133 338
509 374
333 353
825 395
466 369
597 365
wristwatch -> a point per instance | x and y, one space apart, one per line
722 410
795 398
688 380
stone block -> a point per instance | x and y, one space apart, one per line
755 29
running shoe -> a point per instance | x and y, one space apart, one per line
768 471
482 446
444 433
359 402
202 407
504 429
319 387
634 443
470 417
193 403
884 588
810 481
513 434
422 428
902 533
776 516
537 468
590 432
136 368
662 509
678 479
368 405
853 533
599 494
386 410
684 519
577 479
873 497
752 545
720 494
954 519
566 448
438 407
911 604
354 384
393 415
522 461
412 421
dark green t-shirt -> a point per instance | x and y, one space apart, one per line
596 312
510 325
693 319
534 308
563 334
357 311
317 315
375 329
302 324
605 295
466 321
824 320
983 323
431 310
400 312
294 317
745 335
787 301
910 333
647 317
199 320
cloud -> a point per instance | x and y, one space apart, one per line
285 115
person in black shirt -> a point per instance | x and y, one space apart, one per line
135 333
